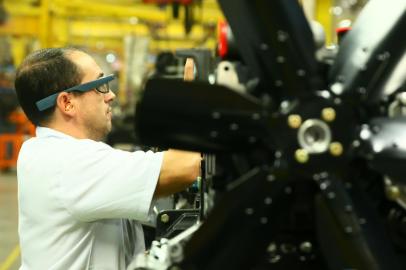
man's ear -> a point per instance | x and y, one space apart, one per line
64 103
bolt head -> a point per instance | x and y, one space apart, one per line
306 247
301 155
336 149
328 114
164 218
393 193
294 121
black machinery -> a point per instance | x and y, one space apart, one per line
308 160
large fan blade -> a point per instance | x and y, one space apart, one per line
371 51
385 146
230 240
276 42
198 116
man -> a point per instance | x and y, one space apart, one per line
75 192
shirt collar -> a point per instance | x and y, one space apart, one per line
49 132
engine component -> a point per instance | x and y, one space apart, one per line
309 167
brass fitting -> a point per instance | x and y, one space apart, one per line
294 121
336 149
392 192
301 155
328 114
164 218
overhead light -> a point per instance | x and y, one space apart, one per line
110 58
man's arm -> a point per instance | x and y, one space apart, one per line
179 170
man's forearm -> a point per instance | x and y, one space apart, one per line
179 170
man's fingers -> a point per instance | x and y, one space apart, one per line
189 74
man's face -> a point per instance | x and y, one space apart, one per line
93 108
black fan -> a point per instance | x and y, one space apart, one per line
322 154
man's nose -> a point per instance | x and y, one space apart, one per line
110 96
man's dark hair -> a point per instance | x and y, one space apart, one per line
43 73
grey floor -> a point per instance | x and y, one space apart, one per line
9 249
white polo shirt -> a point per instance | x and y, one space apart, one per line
73 195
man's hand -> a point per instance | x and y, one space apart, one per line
189 73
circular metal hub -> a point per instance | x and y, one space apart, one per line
314 136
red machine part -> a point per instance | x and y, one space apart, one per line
344 29
222 38
341 31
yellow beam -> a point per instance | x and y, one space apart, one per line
211 12
44 24
79 8
99 29
172 45
18 49
20 9
24 26
116 44
22 20
323 16
108 20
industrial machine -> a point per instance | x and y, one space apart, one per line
304 166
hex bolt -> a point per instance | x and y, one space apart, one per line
164 218
328 114
270 177
249 211
392 193
272 247
336 149
263 220
306 247
294 121
331 195
301 155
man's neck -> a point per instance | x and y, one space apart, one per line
68 129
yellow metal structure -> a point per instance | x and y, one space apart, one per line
102 25
60 22
323 16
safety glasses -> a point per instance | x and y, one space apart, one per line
101 85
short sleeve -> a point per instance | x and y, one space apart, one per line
100 182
